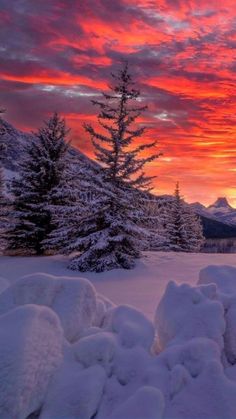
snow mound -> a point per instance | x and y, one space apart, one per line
146 403
193 355
108 366
132 327
74 393
210 395
225 279
188 312
73 299
195 333
130 365
98 348
31 349
223 276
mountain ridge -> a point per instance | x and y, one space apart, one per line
219 219
220 210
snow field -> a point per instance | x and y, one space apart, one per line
68 353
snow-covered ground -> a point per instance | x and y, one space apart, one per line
141 287
67 352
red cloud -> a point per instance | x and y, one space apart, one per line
181 53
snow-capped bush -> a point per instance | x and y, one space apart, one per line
30 351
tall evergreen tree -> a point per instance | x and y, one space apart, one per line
41 170
184 229
108 234
80 192
3 208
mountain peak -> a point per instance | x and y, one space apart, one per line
221 203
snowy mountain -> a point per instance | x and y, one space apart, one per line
220 210
14 141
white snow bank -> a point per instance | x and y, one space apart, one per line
187 312
74 393
73 299
223 276
31 349
110 367
132 327
146 403
194 334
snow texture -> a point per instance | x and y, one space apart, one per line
225 279
98 348
31 349
4 283
132 327
74 393
112 365
73 300
188 312
147 402
223 276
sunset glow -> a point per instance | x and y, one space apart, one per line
58 55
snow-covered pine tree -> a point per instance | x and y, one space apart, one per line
184 229
41 170
108 235
80 192
176 225
195 235
151 214
3 207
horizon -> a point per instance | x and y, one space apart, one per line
60 55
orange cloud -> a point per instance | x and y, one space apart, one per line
182 54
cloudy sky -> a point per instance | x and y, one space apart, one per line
58 55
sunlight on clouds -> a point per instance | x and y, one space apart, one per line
182 56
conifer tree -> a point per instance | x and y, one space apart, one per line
108 234
3 209
184 229
79 192
41 171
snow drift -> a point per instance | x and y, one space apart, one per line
68 353
73 300
30 352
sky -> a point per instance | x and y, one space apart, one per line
57 55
